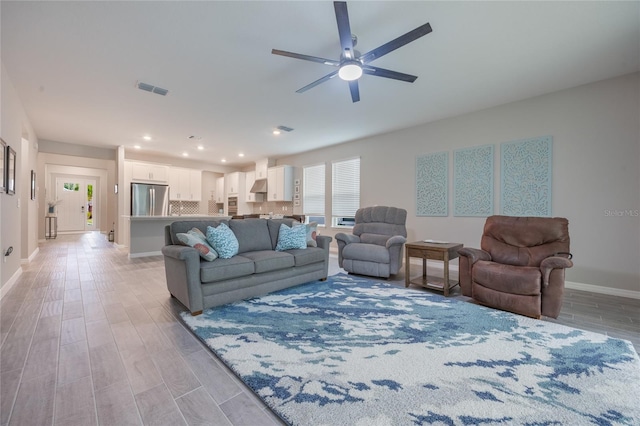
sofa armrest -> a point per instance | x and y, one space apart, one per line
549 264
323 241
395 240
469 256
182 270
474 254
347 238
180 252
343 239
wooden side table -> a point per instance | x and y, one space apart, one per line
432 251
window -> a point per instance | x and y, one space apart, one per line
71 187
345 192
313 193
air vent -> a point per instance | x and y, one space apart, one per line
153 89
285 128
160 91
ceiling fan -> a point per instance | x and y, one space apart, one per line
352 64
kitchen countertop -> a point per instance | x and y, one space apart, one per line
174 218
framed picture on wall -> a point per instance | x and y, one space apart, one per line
3 166
11 171
33 185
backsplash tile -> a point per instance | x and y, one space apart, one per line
184 207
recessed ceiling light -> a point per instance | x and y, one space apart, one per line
223 160
200 147
137 146
146 137
276 132
185 154
241 155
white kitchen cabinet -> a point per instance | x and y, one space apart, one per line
280 183
195 179
220 190
185 184
234 183
147 172
262 168
250 179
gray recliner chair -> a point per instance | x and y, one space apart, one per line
375 247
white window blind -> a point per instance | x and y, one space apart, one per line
313 190
346 188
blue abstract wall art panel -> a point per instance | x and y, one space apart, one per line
526 171
473 181
432 184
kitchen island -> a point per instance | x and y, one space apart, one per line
146 233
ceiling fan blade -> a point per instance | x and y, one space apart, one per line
396 43
318 81
381 72
306 57
344 29
355 91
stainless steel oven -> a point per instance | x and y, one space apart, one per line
232 206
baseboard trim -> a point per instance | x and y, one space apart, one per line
10 283
30 258
602 290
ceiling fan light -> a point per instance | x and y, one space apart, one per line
350 71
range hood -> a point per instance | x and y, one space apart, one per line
259 187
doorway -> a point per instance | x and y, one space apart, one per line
77 211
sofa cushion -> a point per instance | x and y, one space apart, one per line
224 269
291 238
307 256
252 234
223 240
196 239
274 229
366 252
524 280
269 260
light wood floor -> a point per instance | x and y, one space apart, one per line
90 337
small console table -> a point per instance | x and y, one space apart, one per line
50 227
432 251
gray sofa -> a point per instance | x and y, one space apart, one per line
257 268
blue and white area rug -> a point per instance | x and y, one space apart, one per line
351 351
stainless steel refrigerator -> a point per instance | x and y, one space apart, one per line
149 200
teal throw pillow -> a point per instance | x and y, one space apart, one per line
196 240
291 238
223 240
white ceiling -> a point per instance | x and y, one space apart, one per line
75 66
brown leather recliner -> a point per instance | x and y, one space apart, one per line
521 265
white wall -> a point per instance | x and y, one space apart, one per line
596 163
29 162
17 211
